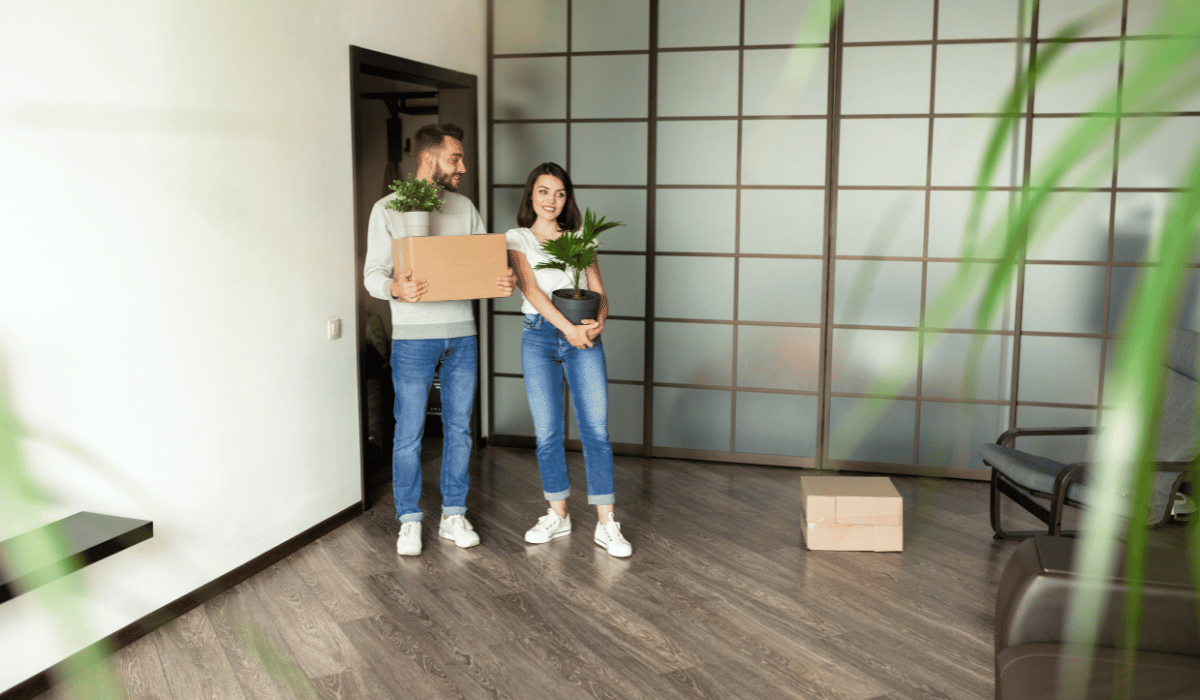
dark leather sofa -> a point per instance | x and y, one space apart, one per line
1031 606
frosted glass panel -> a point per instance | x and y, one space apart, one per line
530 26
877 293
776 424
698 22
697 83
530 88
1055 15
1124 281
512 303
890 439
625 349
945 360
886 79
609 87
693 287
781 22
785 81
624 278
783 152
860 357
977 19
779 289
964 303
1063 299
511 407
1136 54
1059 370
958 149
778 357
1093 171
697 153
888 20
608 154
505 202
786 222
625 412
1162 159
881 222
626 206
695 221
883 151
519 148
697 419
974 77
693 353
610 25
1143 19
507 330
1138 223
1073 226
952 433
948 212
1064 448
1083 75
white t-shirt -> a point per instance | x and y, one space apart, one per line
523 241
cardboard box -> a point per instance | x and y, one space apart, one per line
852 513
457 267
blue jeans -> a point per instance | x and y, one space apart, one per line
545 355
413 366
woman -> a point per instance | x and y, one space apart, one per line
552 345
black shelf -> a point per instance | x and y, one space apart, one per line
88 538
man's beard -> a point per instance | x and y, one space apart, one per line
445 179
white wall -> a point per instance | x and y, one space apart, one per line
177 227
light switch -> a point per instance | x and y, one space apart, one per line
335 328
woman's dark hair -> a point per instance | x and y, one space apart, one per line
569 219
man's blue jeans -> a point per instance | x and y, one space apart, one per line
545 355
413 366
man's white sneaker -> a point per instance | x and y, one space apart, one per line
548 527
608 535
409 542
458 529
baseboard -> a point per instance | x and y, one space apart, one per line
42 682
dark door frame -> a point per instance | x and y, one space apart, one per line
368 62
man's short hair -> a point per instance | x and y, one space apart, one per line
432 136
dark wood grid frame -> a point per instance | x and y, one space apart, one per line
1024 158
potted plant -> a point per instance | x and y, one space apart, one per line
415 198
574 252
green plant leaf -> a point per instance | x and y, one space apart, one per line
574 252
415 195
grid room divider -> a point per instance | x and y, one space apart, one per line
792 207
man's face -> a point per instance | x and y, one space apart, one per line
448 165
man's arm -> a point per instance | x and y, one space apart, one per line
378 269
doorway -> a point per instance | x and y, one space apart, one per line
390 98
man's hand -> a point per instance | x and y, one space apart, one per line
408 289
507 283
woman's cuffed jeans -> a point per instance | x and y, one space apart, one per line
413 365
545 357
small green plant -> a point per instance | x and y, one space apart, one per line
415 195
573 252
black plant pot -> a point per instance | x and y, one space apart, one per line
576 310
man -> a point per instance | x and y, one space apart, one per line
424 334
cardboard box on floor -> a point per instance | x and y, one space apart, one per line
457 267
852 513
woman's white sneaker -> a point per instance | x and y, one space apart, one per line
608 535
408 544
459 529
548 527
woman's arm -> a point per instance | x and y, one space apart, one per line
596 285
576 335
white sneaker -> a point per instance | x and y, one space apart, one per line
408 544
608 535
548 527
458 529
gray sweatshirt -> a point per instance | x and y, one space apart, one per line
426 319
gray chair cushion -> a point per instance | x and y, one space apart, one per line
1030 471
1177 436
1181 354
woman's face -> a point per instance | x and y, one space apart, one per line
549 197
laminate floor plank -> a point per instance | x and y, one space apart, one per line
192 660
140 671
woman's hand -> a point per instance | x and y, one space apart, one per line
594 328
578 337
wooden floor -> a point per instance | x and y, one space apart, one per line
720 600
